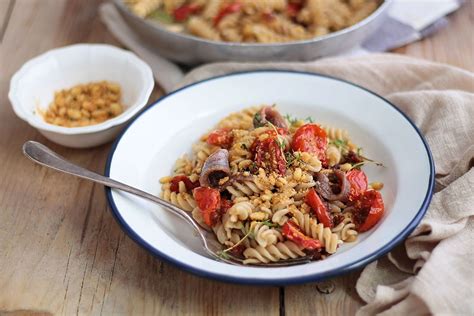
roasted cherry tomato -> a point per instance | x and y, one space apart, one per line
291 231
358 182
229 9
268 154
225 205
174 187
292 9
312 139
369 209
208 201
238 251
184 11
273 133
319 209
221 137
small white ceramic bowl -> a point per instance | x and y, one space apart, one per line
33 86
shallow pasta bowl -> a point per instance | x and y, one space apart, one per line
147 149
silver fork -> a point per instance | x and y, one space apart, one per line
46 157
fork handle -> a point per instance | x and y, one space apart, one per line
42 155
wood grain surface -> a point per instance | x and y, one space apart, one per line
61 252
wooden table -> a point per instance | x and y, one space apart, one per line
62 252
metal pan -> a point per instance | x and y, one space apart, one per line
191 50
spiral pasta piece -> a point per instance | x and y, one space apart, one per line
230 223
244 188
310 227
287 28
197 216
279 217
202 28
333 155
202 151
144 7
183 165
240 211
265 235
257 185
183 200
239 153
307 161
263 34
240 120
281 251
345 230
334 133
212 8
251 6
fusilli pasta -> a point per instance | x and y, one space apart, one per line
272 188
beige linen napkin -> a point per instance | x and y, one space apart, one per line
432 271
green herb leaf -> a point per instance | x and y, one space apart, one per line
291 158
161 16
269 224
281 143
257 120
223 254
291 120
339 143
309 119
358 165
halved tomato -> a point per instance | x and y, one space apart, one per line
225 205
269 155
358 182
291 231
369 209
208 201
184 11
229 9
319 209
174 186
312 139
220 137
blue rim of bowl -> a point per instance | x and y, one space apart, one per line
281 281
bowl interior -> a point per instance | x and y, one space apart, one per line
66 67
149 147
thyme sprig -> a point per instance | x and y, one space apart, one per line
294 120
343 145
224 253
279 139
291 120
269 224
292 158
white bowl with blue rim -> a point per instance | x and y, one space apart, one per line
147 149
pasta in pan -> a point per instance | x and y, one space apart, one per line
259 21
273 188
